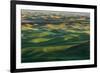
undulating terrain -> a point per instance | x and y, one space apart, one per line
54 36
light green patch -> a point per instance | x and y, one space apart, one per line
39 40
56 48
70 36
67 37
43 34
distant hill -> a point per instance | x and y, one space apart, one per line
64 13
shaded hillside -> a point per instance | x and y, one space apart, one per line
73 53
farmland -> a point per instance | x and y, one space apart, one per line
54 37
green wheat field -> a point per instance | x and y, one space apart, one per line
54 36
